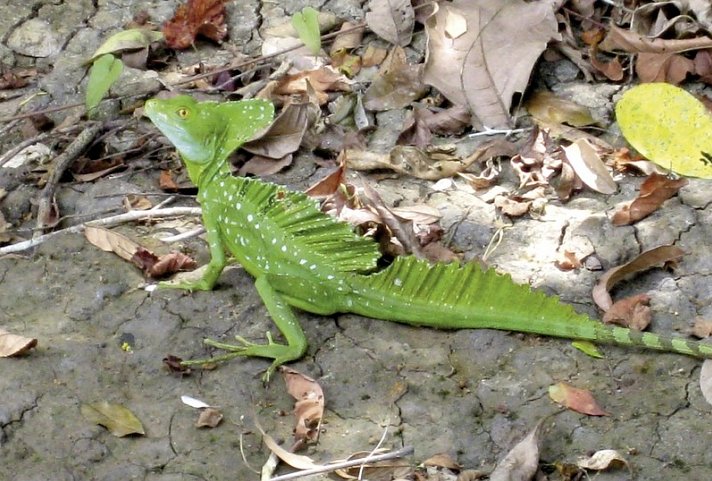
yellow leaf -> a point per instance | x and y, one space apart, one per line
668 126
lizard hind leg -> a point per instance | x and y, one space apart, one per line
287 324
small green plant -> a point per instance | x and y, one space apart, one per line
306 23
103 73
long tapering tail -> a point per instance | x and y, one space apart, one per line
450 296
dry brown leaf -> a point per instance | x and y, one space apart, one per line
167 183
329 184
512 206
309 408
586 161
209 417
294 460
157 267
421 123
261 166
397 84
442 460
349 40
373 56
619 39
396 469
196 17
632 312
602 460
663 67
14 344
644 261
322 80
547 107
392 20
434 163
284 136
137 202
702 328
655 190
579 400
568 261
488 63
612 69
522 461
110 241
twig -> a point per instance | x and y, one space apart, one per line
404 451
183 236
134 215
506 132
62 163
5 158
374 450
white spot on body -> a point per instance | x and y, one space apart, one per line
249 217
302 262
284 249
397 282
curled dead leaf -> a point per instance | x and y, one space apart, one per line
586 161
646 260
309 408
655 190
196 17
602 460
522 461
632 312
702 328
209 417
15 345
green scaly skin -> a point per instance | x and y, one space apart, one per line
305 259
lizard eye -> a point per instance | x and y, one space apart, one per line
182 113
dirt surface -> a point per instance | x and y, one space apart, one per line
472 394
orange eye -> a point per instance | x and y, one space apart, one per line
182 113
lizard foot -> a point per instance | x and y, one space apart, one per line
280 353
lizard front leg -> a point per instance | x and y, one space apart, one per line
214 268
286 322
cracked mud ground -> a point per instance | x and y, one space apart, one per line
471 394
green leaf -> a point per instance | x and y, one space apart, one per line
306 23
669 127
102 75
131 39
588 348
114 417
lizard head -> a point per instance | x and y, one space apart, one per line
206 133
179 119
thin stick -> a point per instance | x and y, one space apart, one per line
405 451
26 143
134 215
62 163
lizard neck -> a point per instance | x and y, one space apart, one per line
204 175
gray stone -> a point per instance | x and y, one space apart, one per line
35 38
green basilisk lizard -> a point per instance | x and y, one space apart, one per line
303 258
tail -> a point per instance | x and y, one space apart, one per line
450 296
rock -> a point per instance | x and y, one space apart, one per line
34 38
